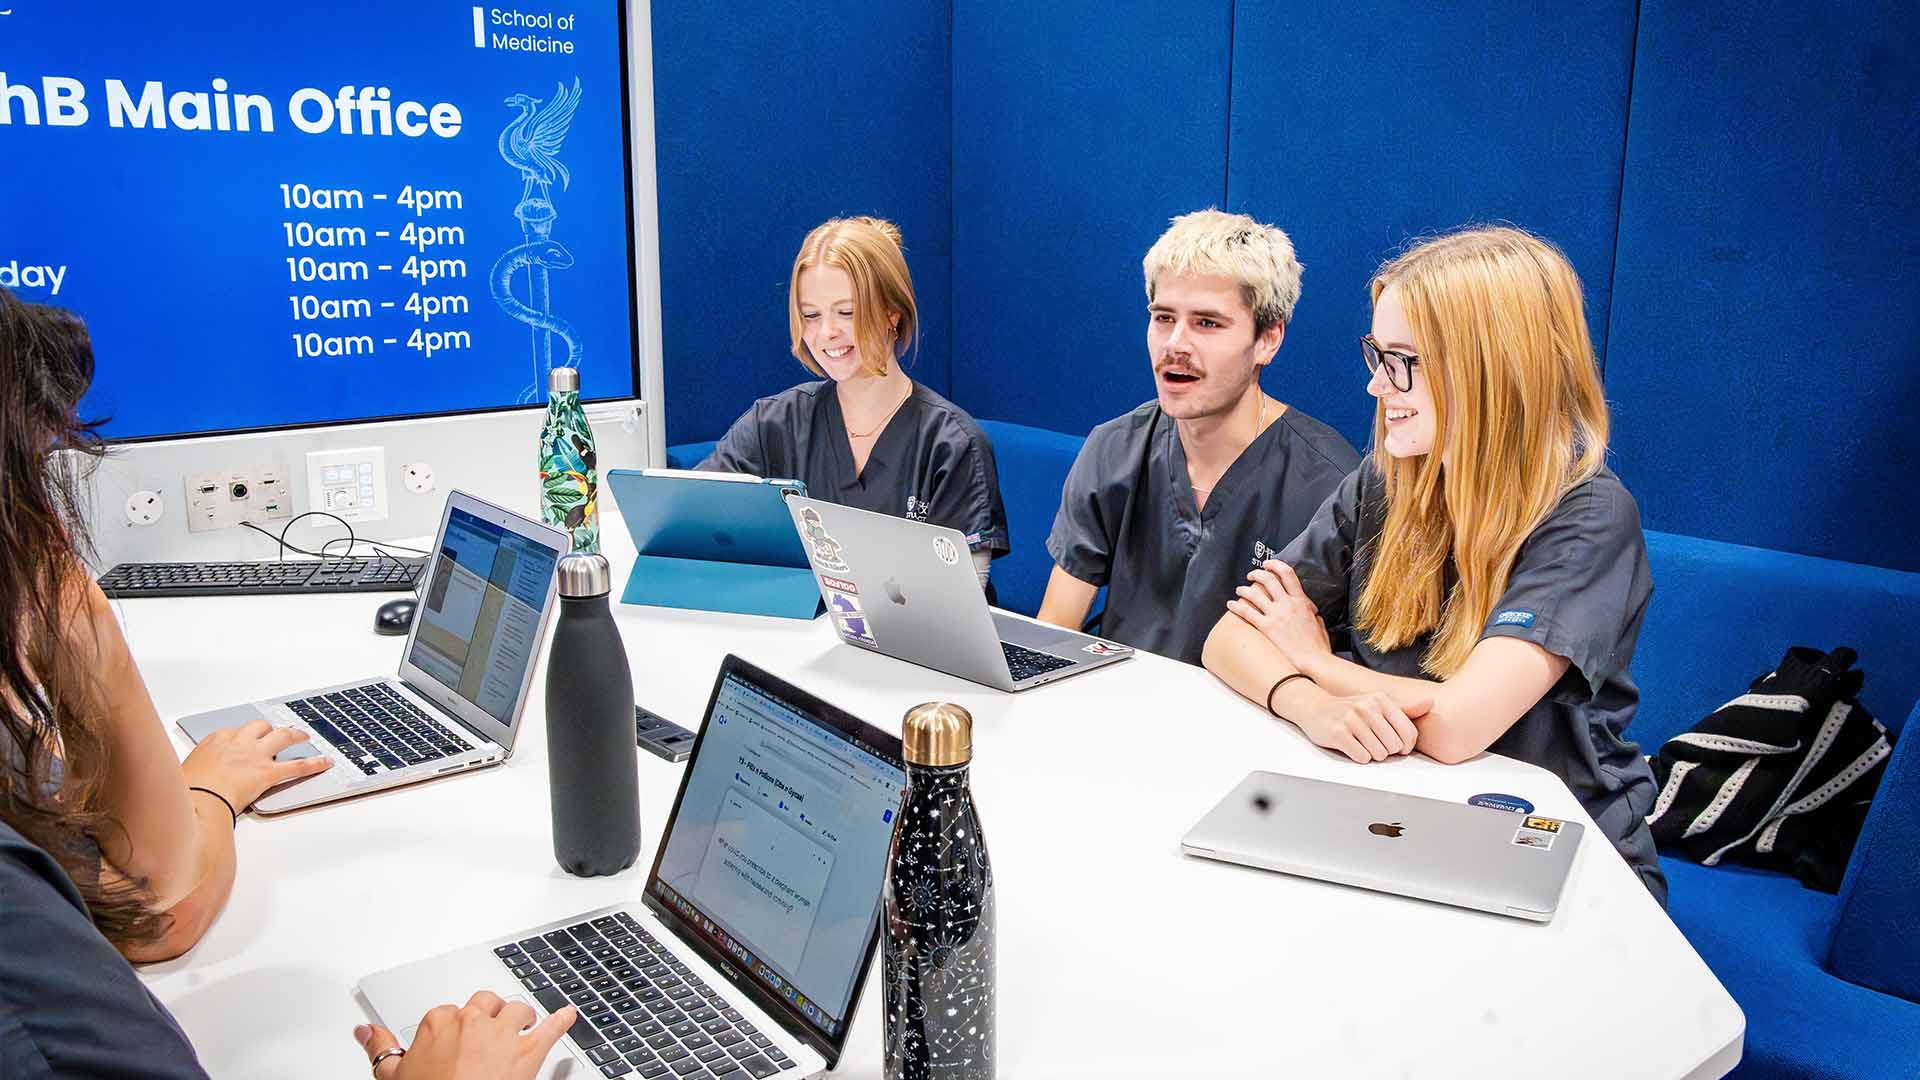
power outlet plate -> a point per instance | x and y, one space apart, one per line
222 500
349 484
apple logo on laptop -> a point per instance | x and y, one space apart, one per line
893 592
1382 828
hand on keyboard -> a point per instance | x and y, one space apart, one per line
239 762
481 1041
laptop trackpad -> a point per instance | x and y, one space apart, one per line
200 725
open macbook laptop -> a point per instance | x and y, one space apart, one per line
746 956
456 701
1468 856
908 589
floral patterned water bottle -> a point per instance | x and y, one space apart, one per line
569 481
939 908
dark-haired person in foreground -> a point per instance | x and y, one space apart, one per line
111 848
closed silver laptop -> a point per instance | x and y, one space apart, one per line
485 602
1453 853
908 589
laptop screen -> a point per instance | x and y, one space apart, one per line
777 850
481 616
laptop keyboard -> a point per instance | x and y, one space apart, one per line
1025 663
642 1011
376 728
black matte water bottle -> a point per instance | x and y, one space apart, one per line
939 908
593 773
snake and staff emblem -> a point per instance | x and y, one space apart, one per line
531 143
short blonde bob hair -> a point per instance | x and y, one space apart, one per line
1213 243
868 250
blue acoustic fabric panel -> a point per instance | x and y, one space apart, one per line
1876 941
1033 465
1357 127
1765 346
1078 131
770 119
1724 613
687 455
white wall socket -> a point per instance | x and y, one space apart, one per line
222 500
145 508
350 484
417 477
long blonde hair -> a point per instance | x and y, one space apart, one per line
1521 420
868 249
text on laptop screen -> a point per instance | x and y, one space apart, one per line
780 847
481 615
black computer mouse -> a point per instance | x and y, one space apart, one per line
395 616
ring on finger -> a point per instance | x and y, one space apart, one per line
391 1051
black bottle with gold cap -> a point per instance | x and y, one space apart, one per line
939 906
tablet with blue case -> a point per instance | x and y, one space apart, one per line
714 542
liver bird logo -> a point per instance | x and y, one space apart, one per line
531 142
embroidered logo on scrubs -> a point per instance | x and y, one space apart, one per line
1513 617
1261 553
918 508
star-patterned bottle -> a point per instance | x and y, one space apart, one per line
939 907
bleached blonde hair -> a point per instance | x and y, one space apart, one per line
869 250
1213 243
1497 319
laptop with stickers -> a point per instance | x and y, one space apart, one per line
908 589
1475 856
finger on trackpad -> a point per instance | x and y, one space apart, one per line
297 751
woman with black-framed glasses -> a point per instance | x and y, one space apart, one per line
1489 568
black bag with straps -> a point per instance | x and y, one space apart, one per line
1780 777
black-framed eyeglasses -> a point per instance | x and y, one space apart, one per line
1399 365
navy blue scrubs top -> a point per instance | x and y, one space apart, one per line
70 1005
931 462
1579 589
1128 521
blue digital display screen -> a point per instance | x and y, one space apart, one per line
283 214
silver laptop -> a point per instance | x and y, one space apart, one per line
908 589
1453 853
746 956
485 601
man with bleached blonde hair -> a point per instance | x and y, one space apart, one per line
1170 505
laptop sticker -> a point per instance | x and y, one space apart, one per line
1544 824
944 550
821 546
1533 838
854 630
843 605
1496 801
1106 648
848 587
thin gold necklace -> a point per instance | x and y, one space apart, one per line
882 425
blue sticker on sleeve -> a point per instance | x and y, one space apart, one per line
1497 801
1513 617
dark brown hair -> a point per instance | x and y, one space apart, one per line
53 751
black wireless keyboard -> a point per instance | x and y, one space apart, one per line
354 574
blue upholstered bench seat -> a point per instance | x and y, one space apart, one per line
1765 937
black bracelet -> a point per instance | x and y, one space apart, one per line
1284 680
223 802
